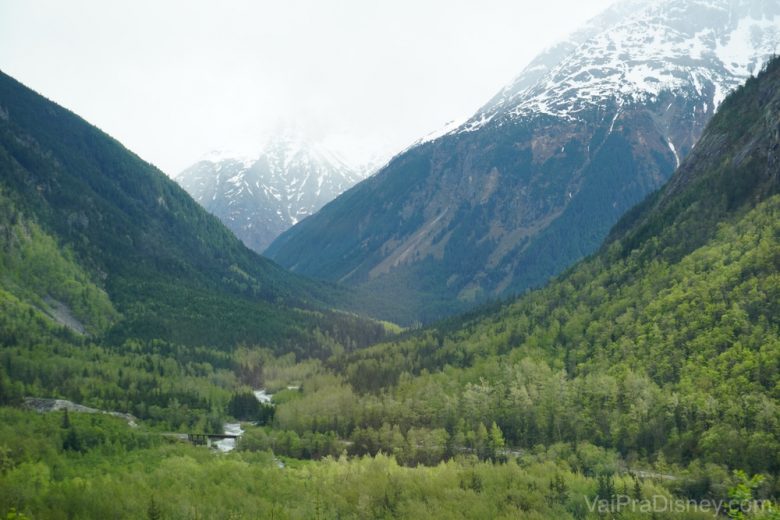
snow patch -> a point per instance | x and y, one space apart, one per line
738 50
674 151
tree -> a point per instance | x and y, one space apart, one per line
153 511
741 506
72 441
637 488
14 515
496 442
559 492
606 487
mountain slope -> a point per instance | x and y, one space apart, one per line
537 177
261 197
664 346
169 268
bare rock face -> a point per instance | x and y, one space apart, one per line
538 176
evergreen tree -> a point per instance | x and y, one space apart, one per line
153 511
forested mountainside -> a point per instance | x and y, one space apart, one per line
664 347
537 177
105 243
260 197
641 383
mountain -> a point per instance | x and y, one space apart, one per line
537 177
259 198
663 347
105 243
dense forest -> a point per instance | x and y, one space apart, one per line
648 372
113 472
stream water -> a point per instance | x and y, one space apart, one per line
226 445
263 396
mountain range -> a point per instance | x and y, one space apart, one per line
537 177
260 197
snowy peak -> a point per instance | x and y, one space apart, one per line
638 49
258 197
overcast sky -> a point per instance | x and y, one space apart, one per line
174 80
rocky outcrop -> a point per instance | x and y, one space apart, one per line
44 405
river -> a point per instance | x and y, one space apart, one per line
227 445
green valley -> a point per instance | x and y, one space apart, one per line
643 382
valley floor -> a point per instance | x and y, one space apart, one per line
91 466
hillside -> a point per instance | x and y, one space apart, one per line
536 178
664 347
103 240
260 197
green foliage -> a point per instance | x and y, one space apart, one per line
245 407
170 385
35 267
675 358
153 512
743 502
132 473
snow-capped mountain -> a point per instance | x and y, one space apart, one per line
639 49
259 197
538 176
